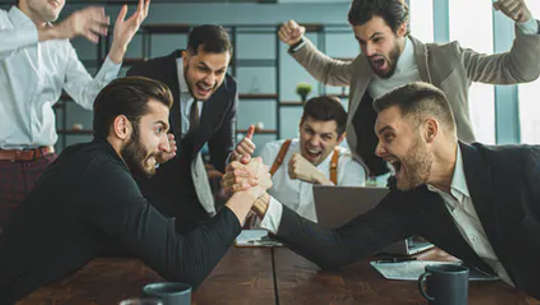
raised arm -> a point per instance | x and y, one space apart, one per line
521 63
79 84
322 67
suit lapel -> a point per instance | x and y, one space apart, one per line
420 57
172 75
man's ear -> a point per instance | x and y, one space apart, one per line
341 138
122 127
402 30
186 56
431 130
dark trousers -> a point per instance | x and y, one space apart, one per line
17 179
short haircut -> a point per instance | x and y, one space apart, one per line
419 100
212 38
326 108
127 96
394 12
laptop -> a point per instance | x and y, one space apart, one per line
337 205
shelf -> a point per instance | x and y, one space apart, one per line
75 132
291 104
258 131
258 96
166 28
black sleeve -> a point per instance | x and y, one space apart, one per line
532 176
222 143
386 223
115 206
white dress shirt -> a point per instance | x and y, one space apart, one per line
198 170
32 76
460 205
297 194
186 99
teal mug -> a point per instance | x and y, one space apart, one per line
445 284
169 293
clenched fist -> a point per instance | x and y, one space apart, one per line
515 9
302 169
291 33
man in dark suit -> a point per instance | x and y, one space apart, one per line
203 111
87 203
480 203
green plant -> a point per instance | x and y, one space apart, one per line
303 89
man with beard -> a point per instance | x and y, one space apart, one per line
203 112
479 203
88 204
391 57
37 62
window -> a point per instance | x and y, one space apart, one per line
471 24
529 99
421 16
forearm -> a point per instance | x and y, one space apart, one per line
240 204
117 52
322 67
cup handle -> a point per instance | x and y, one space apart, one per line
421 284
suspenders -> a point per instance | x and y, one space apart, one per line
283 151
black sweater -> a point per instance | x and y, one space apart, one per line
86 203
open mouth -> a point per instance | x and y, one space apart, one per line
397 166
313 153
379 63
203 89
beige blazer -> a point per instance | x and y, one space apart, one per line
447 66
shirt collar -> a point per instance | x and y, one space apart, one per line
458 186
18 18
184 88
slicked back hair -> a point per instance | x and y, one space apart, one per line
127 96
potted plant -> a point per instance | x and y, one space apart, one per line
303 89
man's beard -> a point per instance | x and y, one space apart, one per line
393 57
417 163
135 156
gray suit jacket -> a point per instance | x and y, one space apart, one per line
447 66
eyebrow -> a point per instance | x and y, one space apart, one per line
208 67
371 37
387 127
164 124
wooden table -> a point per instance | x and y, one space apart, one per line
260 276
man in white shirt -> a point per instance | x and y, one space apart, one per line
37 62
479 203
314 158
391 57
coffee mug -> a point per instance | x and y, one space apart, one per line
143 301
446 284
169 293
